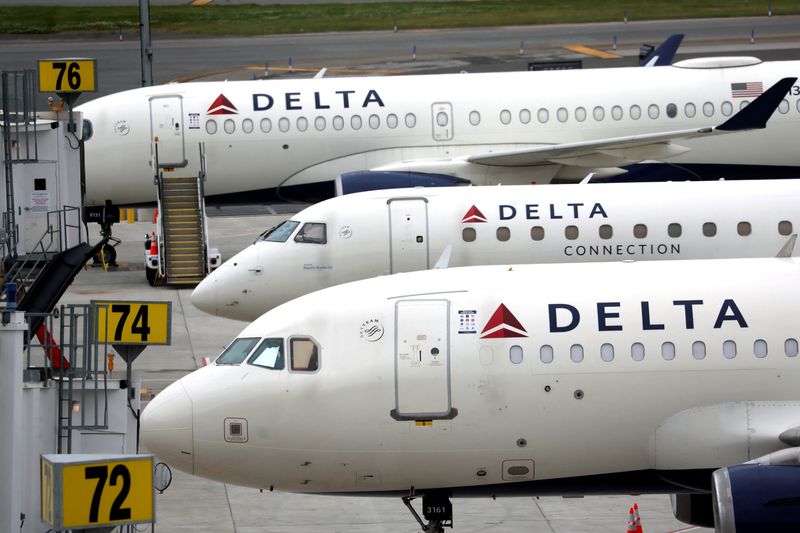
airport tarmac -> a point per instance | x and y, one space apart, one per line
195 504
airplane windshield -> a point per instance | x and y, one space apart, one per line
269 354
235 353
281 232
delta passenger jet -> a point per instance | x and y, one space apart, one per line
293 138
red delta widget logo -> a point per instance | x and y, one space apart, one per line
222 106
503 325
473 215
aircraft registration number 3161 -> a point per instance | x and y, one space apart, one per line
126 322
90 491
67 75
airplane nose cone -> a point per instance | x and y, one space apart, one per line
166 427
204 296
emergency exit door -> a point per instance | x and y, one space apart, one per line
166 125
442 115
408 234
422 360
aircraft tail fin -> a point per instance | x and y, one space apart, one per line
665 53
788 248
758 112
444 259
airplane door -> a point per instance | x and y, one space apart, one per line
166 124
408 234
422 360
442 115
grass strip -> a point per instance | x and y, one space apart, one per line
251 19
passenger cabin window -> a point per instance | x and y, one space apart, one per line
543 115
689 110
319 123
468 234
635 112
576 353
571 232
652 111
783 107
640 231
709 229
269 354
265 125
474 118
305 355
699 350
537 233
211 126
580 114
505 116
281 232
546 354
338 123
744 229
674 230
606 231
785 227
708 109
727 108
607 352
668 351
637 351
729 349
411 120
312 232
524 116
672 110
237 351
760 348
790 347
515 354
283 124
503 233
355 122
247 125
616 112
391 120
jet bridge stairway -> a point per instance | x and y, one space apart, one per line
182 227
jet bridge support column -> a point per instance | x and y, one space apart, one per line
12 329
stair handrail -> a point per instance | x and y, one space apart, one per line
159 182
201 204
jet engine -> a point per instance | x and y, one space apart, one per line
753 497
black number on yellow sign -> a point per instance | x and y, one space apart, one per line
100 473
73 76
140 323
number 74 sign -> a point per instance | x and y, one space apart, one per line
127 322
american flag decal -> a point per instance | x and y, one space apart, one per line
747 89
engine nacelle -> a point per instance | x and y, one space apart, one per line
694 509
371 180
752 498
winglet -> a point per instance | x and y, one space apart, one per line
444 259
321 73
664 54
588 178
788 248
756 114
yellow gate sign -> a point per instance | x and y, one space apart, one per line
71 75
87 491
131 322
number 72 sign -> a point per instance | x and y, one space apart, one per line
127 322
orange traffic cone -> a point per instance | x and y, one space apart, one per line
153 244
636 519
631 522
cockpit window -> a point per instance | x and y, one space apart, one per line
305 355
281 232
313 232
269 354
237 351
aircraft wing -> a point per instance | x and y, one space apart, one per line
638 147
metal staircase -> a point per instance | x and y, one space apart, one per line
184 260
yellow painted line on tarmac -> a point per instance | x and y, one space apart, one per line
581 49
201 2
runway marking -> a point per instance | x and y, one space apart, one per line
581 49
201 2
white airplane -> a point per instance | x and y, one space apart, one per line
383 232
606 378
294 137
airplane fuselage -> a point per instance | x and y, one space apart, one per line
384 232
264 135
488 379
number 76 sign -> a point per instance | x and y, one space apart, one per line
131 322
